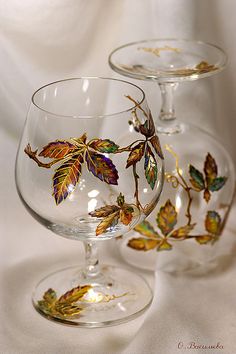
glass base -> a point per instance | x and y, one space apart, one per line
115 296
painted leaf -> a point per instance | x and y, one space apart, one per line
66 177
148 128
104 146
210 169
57 149
74 294
120 200
197 179
213 222
150 166
104 211
167 218
108 222
67 310
217 184
146 229
204 239
157 146
182 232
164 245
81 140
142 244
102 167
126 214
207 195
136 154
50 296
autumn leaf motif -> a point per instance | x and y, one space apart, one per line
150 166
136 154
213 226
209 181
72 154
112 214
166 220
65 306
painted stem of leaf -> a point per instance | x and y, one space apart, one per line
137 104
139 205
183 184
32 155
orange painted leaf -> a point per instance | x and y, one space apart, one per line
167 218
213 222
126 214
204 239
157 146
108 223
142 244
74 294
104 211
136 154
207 195
210 169
57 149
66 177
102 167
146 229
148 128
182 232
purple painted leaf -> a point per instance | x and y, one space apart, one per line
102 167
104 146
66 177
57 149
150 166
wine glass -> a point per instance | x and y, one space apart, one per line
86 174
200 177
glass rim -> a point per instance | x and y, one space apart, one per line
169 39
87 116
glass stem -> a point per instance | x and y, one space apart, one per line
167 112
92 268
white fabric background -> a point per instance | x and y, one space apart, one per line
43 40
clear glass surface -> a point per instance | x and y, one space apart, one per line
200 177
85 173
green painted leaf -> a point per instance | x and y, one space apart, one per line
143 244
146 229
213 222
150 166
167 218
50 296
197 179
104 146
66 177
120 200
217 183
102 167
136 154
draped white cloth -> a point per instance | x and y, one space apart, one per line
46 40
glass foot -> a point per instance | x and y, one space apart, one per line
115 296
